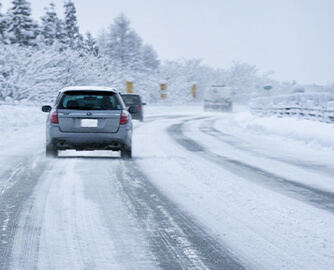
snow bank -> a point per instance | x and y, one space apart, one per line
20 115
314 133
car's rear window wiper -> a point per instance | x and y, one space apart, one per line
80 108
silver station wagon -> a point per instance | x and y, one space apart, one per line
89 118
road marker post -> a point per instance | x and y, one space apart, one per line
129 86
163 89
194 89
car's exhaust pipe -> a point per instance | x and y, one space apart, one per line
63 145
115 145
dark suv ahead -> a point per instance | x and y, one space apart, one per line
134 100
89 118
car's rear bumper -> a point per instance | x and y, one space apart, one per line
89 141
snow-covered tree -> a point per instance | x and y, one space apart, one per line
74 38
29 74
123 44
242 78
22 29
149 57
102 40
132 59
90 44
3 26
52 27
37 75
180 76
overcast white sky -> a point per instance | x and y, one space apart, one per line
294 38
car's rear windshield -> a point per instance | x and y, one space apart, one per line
89 100
131 99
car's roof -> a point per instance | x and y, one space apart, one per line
129 94
88 88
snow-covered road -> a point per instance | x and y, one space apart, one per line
203 191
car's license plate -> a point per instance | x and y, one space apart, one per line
88 122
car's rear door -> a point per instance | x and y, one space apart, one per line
89 111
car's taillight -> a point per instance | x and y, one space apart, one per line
124 118
54 117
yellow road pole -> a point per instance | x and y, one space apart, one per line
129 87
194 90
163 89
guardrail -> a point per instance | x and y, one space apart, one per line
313 106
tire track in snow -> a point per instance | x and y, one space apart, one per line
239 143
175 240
59 228
314 196
16 187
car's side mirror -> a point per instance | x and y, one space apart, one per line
46 108
132 110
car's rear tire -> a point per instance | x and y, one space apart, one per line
126 153
51 152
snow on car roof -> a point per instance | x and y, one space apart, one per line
88 88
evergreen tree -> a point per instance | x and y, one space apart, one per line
102 41
133 57
90 44
61 33
74 38
52 27
150 57
22 29
123 44
3 26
